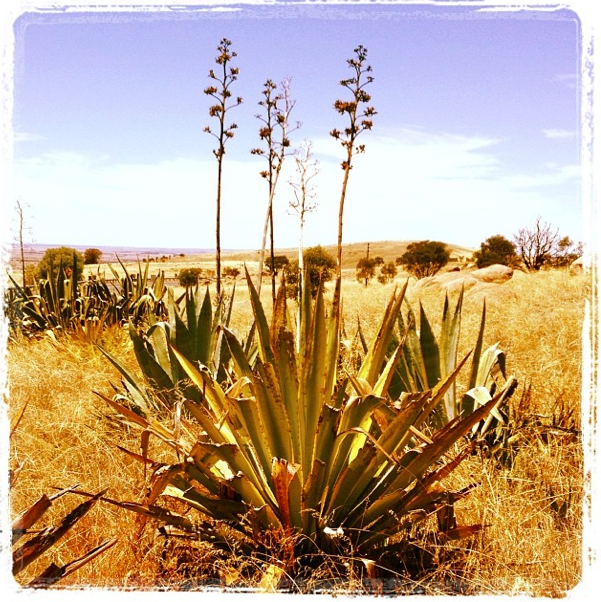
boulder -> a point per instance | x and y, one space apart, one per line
577 266
496 273
451 282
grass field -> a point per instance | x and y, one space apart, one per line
532 508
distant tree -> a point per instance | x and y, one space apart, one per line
66 257
537 245
379 260
365 270
424 258
359 120
189 276
274 133
320 266
92 256
276 263
496 249
387 273
221 93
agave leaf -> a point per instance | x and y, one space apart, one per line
411 368
219 509
265 351
159 337
199 472
283 473
253 433
289 390
449 341
383 383
53 573
371 366
441 443
324 439
218 433
356 413
332 345
161 477
29 517
248 491
490 358
32 549
429 349
478 350
136 388
213 394
419 463
14 423
349 485
311 494
361 385
273 411
279 320
126 412
157 513
153 370
422 497
398 431
242 461
311 395
203 323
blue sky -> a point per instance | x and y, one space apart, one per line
477 130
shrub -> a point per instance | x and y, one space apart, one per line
496 249
231 272
424 258
387 273
189 276
54 258
320 266
566 253
92 256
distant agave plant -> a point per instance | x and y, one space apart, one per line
293 452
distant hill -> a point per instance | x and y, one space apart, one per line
387 249
351 252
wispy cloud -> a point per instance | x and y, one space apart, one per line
559 133
569 80
410 185
28 137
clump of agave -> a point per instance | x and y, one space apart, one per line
289 449
63 303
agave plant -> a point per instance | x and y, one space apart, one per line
427 360
193 331
292 451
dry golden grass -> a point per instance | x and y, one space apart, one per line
532 544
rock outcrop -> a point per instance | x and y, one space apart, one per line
451 282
